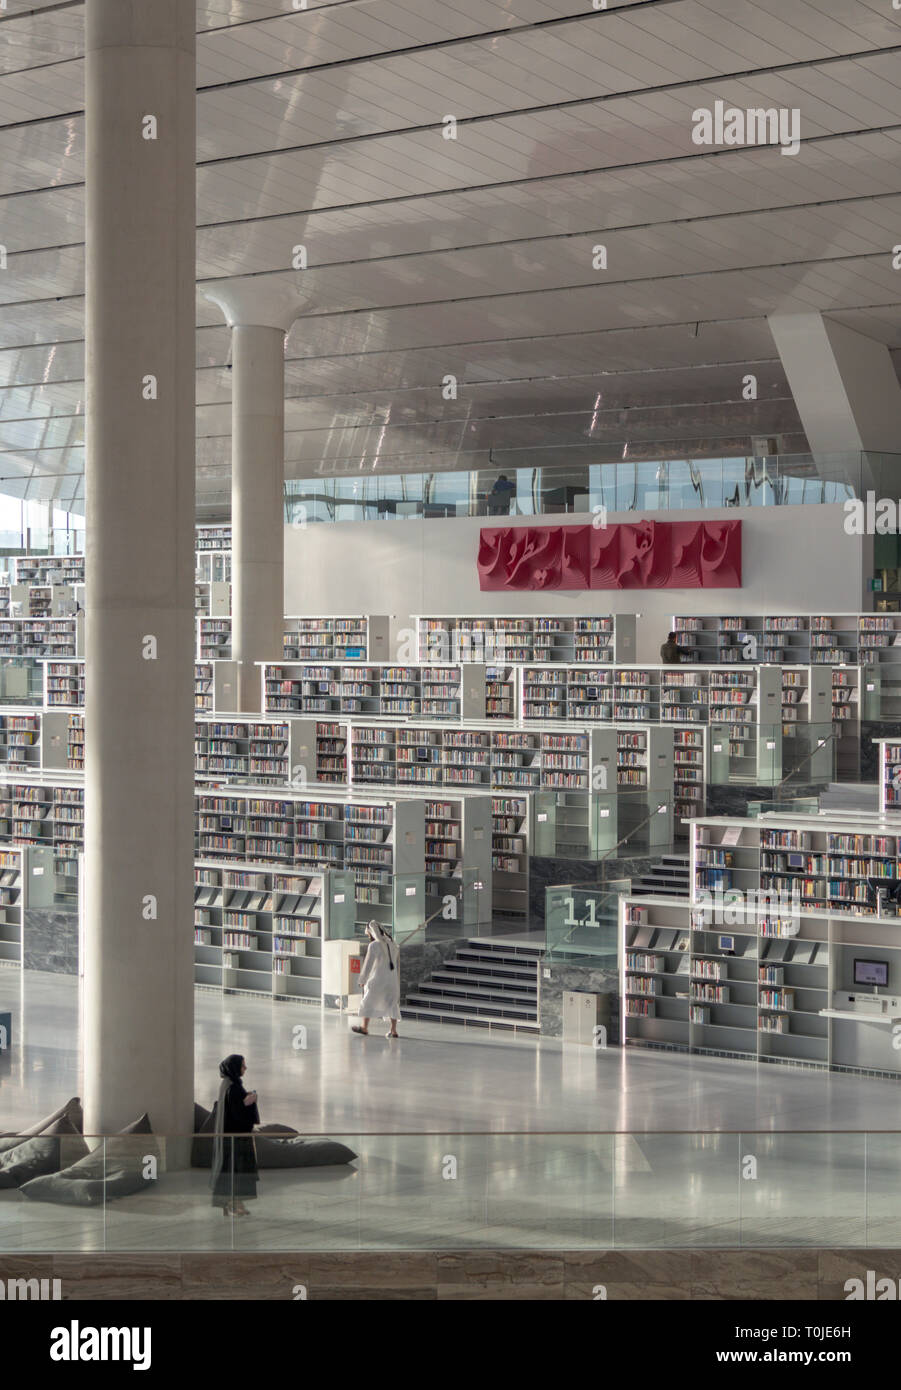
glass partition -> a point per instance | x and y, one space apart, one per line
514 1191
581 922
531 483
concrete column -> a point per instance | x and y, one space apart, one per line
140 318
845 388
259 316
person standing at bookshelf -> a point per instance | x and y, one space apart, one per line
234 1168
671 653
380 981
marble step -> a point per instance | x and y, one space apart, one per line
473 1020
506 946
485 993
524 985
466 960
465 1004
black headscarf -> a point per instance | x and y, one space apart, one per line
230 1069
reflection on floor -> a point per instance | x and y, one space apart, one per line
402 1107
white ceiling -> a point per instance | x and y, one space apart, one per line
474 257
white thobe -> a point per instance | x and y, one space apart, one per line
381 984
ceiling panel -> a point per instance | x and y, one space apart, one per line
473 256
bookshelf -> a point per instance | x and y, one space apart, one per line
212 599
429 692
63 684
215 685
40 637
212 554
645 782
514 640
381 841
259 930
361 638
214 639
212 538
459 859
801 638
746 725
880 657
733 988
889 754
510 840
12 863
689 774
46 569
261 751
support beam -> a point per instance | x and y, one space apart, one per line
259 316
140 302
844 385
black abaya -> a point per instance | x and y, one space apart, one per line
234 1169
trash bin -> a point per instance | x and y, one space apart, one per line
583 1013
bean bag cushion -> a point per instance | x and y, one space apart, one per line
116 1168
45 1153
71 1110
294 1152
277 1146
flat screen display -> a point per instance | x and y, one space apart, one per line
870 972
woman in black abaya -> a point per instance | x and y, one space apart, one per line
234 1174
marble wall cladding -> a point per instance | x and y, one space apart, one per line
51 940
555 978
547 873
420 959
869 753
733 801
534 1275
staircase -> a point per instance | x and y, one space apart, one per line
850 796
488 983
668 877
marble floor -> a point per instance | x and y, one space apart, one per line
553 1146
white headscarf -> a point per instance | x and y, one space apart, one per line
377 933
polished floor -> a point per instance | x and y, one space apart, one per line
468 1140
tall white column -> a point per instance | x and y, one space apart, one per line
259 317
139 597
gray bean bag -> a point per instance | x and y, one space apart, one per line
277 1146
117 1168
71 1110
59 1145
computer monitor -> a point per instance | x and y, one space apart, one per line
726 943
870 972
890 887
592 692
795 861
422 754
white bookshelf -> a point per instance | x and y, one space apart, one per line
12 860
48 637
366 688
511 818
263 751
212 599
46 569
259 930
496 638
364 637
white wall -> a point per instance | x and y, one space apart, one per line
794 560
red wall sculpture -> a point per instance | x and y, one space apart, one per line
643 555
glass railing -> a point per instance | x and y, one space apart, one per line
447 1191
509 486
581 923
